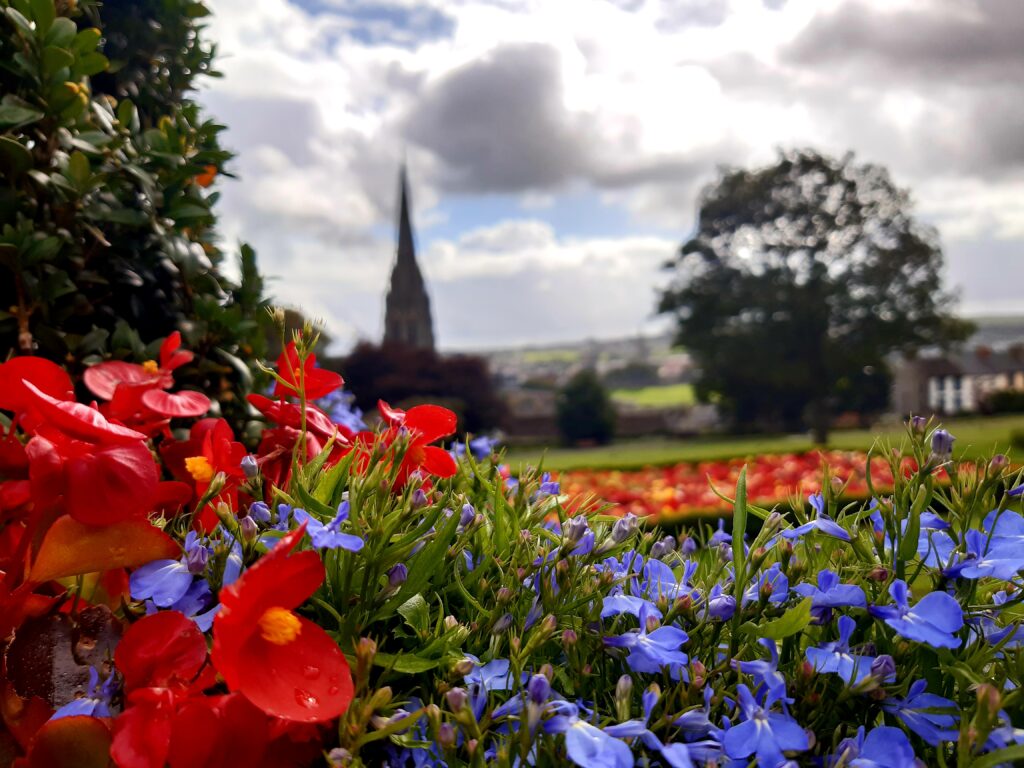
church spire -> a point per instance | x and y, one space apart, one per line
407 317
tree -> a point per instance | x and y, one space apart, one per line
585 410
108 239
800 275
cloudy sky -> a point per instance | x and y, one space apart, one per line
556 147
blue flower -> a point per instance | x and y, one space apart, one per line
615 605
763 733
721 536
720 606
932 621
884 747
835 657
676 755
998 558
765 671
166 581
652 651
931 717
831 594
95 703
586 744
772 582
820 522
329 536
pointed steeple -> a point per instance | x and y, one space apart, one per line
407 317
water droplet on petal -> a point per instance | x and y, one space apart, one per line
306 699
333 690
310 672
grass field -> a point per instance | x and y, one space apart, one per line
977 436
657 397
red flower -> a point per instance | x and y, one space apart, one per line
284 664
316 381
424 424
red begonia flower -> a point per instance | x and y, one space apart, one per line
172 356
163 650
283 663
142 733
104 379
78 421
176 405
290 415
316 381
46 376
425 424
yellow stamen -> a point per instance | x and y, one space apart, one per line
296 375
151 367
279 626
200 468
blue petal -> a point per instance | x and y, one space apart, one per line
164 581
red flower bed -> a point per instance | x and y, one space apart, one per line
682 490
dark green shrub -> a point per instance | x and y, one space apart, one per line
1007 401
585 411
108 241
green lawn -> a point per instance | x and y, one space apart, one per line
976 436
663 396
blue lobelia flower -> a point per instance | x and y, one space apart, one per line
999 558
765 671
586 744
95 703
495 675
772 582
831 594
835 657
721 536
166 581
932 620
615 605
763 733
884 747
820 522
676 755
197 604
653 651
329 535
931 717
720 605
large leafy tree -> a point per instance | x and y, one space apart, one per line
802 275
107 228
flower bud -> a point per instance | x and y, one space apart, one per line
259 512
249 466
502 624
575 529
446 735
999 462
538 689
339 757
196 559
688 545
662 548
419 499
247 528
942 444
456 698
450 622
462 667
624 688
918 424
504 596
699 673
652 623
397 575
569 638
879 573
883 667
989 697
837 484
624 528
468 515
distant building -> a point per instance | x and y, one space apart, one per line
407 318
956 383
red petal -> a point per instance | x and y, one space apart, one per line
215 731
287 362
161 650
393 416
171 357
432 422
115 482
176 405
320 382
103 379
142 732
46 376
307 680
80 421
171 496
71 742
438 462
70 548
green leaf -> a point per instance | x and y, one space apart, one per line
15 113
55 59
85 41
15 157
404 662
1007 756
909 542
416 613
188 211
44 12
128 115
792 621
78 171
92 63
62 34
23 24
739 527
